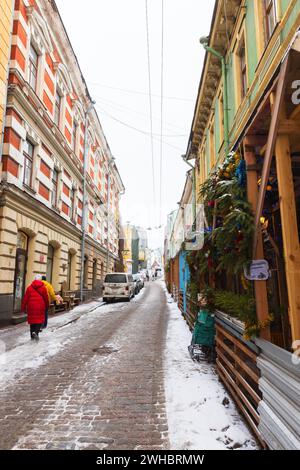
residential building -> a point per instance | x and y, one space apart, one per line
53 142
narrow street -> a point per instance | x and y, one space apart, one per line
96 380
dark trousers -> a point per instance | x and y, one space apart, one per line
46 319
35 328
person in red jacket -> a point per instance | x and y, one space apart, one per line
35 303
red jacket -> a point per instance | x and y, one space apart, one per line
35 303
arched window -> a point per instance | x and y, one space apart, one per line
69 274
95 267
85 272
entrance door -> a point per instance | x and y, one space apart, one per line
20 271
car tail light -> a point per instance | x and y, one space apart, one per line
127 288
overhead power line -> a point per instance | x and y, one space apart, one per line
134 111
136 92
148 134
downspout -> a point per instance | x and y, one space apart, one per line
7 78
84 199
204 42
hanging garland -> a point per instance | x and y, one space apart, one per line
229 218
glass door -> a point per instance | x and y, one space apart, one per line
20 271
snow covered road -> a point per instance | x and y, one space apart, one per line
113 376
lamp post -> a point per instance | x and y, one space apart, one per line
84 198
204 41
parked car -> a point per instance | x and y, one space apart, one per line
142 279
118 286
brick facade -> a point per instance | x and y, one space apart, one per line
42 162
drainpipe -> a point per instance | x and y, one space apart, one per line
204 42
6 81
84 198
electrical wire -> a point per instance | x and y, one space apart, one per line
125 90
134 111
148 134
150 101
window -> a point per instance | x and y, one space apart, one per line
95 272
28 163
74 136
69 274
221 112
54 188
270 17
72 203
57 108
33 67
212 152
243 70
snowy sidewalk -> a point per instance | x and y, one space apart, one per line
196 416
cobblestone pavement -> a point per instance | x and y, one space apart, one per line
104 387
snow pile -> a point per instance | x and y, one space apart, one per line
197 417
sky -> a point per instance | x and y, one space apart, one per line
109 38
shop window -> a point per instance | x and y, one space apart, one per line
28 163
50 261
20 270
33 67
69 273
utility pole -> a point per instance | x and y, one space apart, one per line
84 198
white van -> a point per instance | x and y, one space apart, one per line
118 286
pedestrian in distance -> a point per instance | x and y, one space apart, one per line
51 295
35 303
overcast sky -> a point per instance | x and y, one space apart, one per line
109 38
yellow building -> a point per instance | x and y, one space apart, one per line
127 253
5 40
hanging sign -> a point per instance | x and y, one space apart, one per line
258 271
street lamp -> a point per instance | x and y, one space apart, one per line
84 199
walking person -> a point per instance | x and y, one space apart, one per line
35 303
51 295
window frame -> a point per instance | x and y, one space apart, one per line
54 184
28 158
33 65
268 7
57 115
